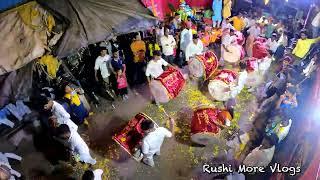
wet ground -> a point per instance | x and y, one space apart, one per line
180 158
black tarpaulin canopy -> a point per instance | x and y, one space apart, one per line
91 21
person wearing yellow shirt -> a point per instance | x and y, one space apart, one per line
238 22
138 48
303 45
153 46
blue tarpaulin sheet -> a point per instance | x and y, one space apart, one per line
8 4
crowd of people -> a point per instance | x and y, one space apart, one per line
174 43
295 56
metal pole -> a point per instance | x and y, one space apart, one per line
305 22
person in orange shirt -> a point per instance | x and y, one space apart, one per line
238 22
138 48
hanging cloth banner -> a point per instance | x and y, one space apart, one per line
155 7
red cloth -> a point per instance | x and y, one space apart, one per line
240 37
231 76
131 135
203 121
259 49
252 64
210 62
243 52
173 81
208 21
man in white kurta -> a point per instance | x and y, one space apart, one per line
262 155
168 43
60 114
194 48
152 142
242 78
185 38
75 143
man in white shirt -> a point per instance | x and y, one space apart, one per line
75 143
262 155
242 78
153 140
249 21
60 115
6 171
228 38
154 67
103 63
316 24
185 38
168 44
226 24
312 66
195 47
272 43
283 39
255 30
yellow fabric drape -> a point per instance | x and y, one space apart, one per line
226 12
33 15
50 22
51 63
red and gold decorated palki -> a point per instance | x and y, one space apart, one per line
205 124
204 65
167 86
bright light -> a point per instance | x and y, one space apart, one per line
287 0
